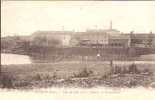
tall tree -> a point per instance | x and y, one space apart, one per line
150 39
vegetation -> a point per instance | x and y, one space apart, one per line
15 44
150 40
65 75
42 41
83 73
6 80
23 44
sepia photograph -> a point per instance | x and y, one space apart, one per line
108 46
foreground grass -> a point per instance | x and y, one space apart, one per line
76 74
63 69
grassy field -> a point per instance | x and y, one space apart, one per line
63 70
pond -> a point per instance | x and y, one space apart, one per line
7 59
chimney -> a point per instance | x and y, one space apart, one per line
150 32
131 32
111 25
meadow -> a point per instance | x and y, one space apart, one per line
75 73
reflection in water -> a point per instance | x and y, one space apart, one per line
147 57
7 59
42 58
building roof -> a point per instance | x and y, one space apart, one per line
106 30
140 35
38 33
121 36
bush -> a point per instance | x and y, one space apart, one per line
105 76
21 83
117 70
43 77
55 75
84 73
147 71
6 80
37 77
126 70
133 69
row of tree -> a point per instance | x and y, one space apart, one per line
24 44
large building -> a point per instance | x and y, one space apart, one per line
91 37
70 38
141 39
119 40
94 37
108 37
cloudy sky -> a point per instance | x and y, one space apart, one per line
25 17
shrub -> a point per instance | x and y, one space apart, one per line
117 69
55 76
125 70
132 83
147 71
84 73
21 83
133 69
37 77
105 76
43 77
6 80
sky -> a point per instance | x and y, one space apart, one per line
26 17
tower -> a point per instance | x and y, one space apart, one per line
111 25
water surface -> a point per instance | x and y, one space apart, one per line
7 59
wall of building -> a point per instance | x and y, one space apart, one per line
93 37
